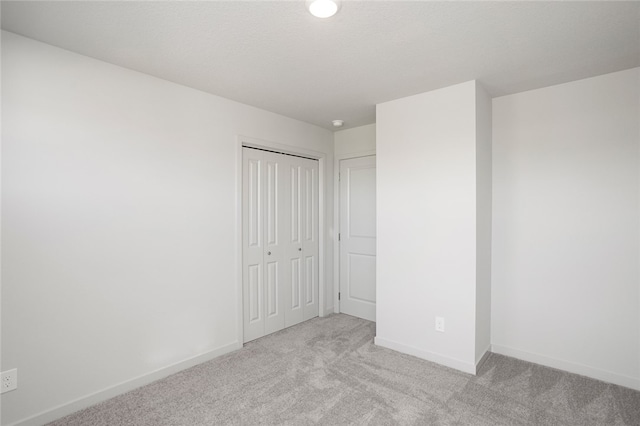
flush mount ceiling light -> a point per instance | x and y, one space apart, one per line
323 8
338 123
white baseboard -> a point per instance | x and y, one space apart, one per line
483 358
463 366
102 395
571 367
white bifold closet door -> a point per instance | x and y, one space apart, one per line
280 241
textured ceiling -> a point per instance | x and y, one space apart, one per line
276 56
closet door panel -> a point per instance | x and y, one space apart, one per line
253 245
294 235
310 237
280 241
273 236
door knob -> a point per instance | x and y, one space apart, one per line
299 249
268 253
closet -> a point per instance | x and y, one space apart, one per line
280 241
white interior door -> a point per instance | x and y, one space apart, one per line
310 245
273 253
294 258
358 237
302 241
280 241
263 251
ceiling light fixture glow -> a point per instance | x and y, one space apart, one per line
323 8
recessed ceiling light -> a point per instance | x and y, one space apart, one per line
323 8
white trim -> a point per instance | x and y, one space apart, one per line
322 284
322 227
239 304
571 367
60 411
359 154
336 219
483 358
465 367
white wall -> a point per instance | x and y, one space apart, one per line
356 140
483 222
1 363
566 227
119 214
426 210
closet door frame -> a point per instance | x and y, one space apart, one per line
244 141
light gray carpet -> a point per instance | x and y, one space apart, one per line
328 371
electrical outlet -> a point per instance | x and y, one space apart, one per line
440 324
9 380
